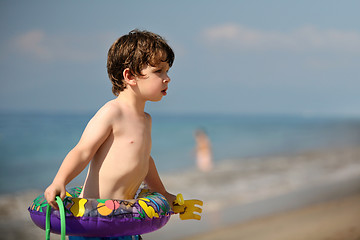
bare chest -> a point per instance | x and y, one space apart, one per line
133 135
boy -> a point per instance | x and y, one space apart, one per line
117 140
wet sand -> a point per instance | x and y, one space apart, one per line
328 211
333 220
15 222
289 197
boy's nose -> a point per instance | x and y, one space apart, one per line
166 80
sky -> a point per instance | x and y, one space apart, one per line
238 57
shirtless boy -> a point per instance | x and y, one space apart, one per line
117 140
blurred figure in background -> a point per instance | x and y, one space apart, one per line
203 151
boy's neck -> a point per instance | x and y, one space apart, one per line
132 101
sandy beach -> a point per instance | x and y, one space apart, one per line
329 212
312 195
333 220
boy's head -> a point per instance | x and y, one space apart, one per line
135 51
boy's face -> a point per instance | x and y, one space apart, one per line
154 82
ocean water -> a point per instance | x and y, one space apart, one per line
33 145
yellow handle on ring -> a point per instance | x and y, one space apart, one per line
179 199
186 208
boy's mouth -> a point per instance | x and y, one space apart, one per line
164 91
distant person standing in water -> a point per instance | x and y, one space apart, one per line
203 151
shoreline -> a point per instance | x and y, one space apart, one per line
265 187
230 219
234 194
333 220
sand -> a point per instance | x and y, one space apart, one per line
15 222
333 220
301 210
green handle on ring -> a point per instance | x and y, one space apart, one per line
62 219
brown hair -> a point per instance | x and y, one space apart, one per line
134 51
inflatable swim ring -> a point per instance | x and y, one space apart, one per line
104 217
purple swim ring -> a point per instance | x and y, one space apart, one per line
105 217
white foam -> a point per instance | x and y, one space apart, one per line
248 180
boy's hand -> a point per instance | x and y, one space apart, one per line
51 192
170 198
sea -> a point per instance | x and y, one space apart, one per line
33 145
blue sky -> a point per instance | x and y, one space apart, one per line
281 56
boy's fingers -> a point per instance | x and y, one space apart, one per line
51 200
54 205
62 195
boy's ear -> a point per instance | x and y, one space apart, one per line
129 77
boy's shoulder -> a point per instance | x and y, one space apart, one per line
109 110
112 112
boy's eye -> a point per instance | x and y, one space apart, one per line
160 70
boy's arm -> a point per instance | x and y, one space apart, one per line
95 133
154 182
